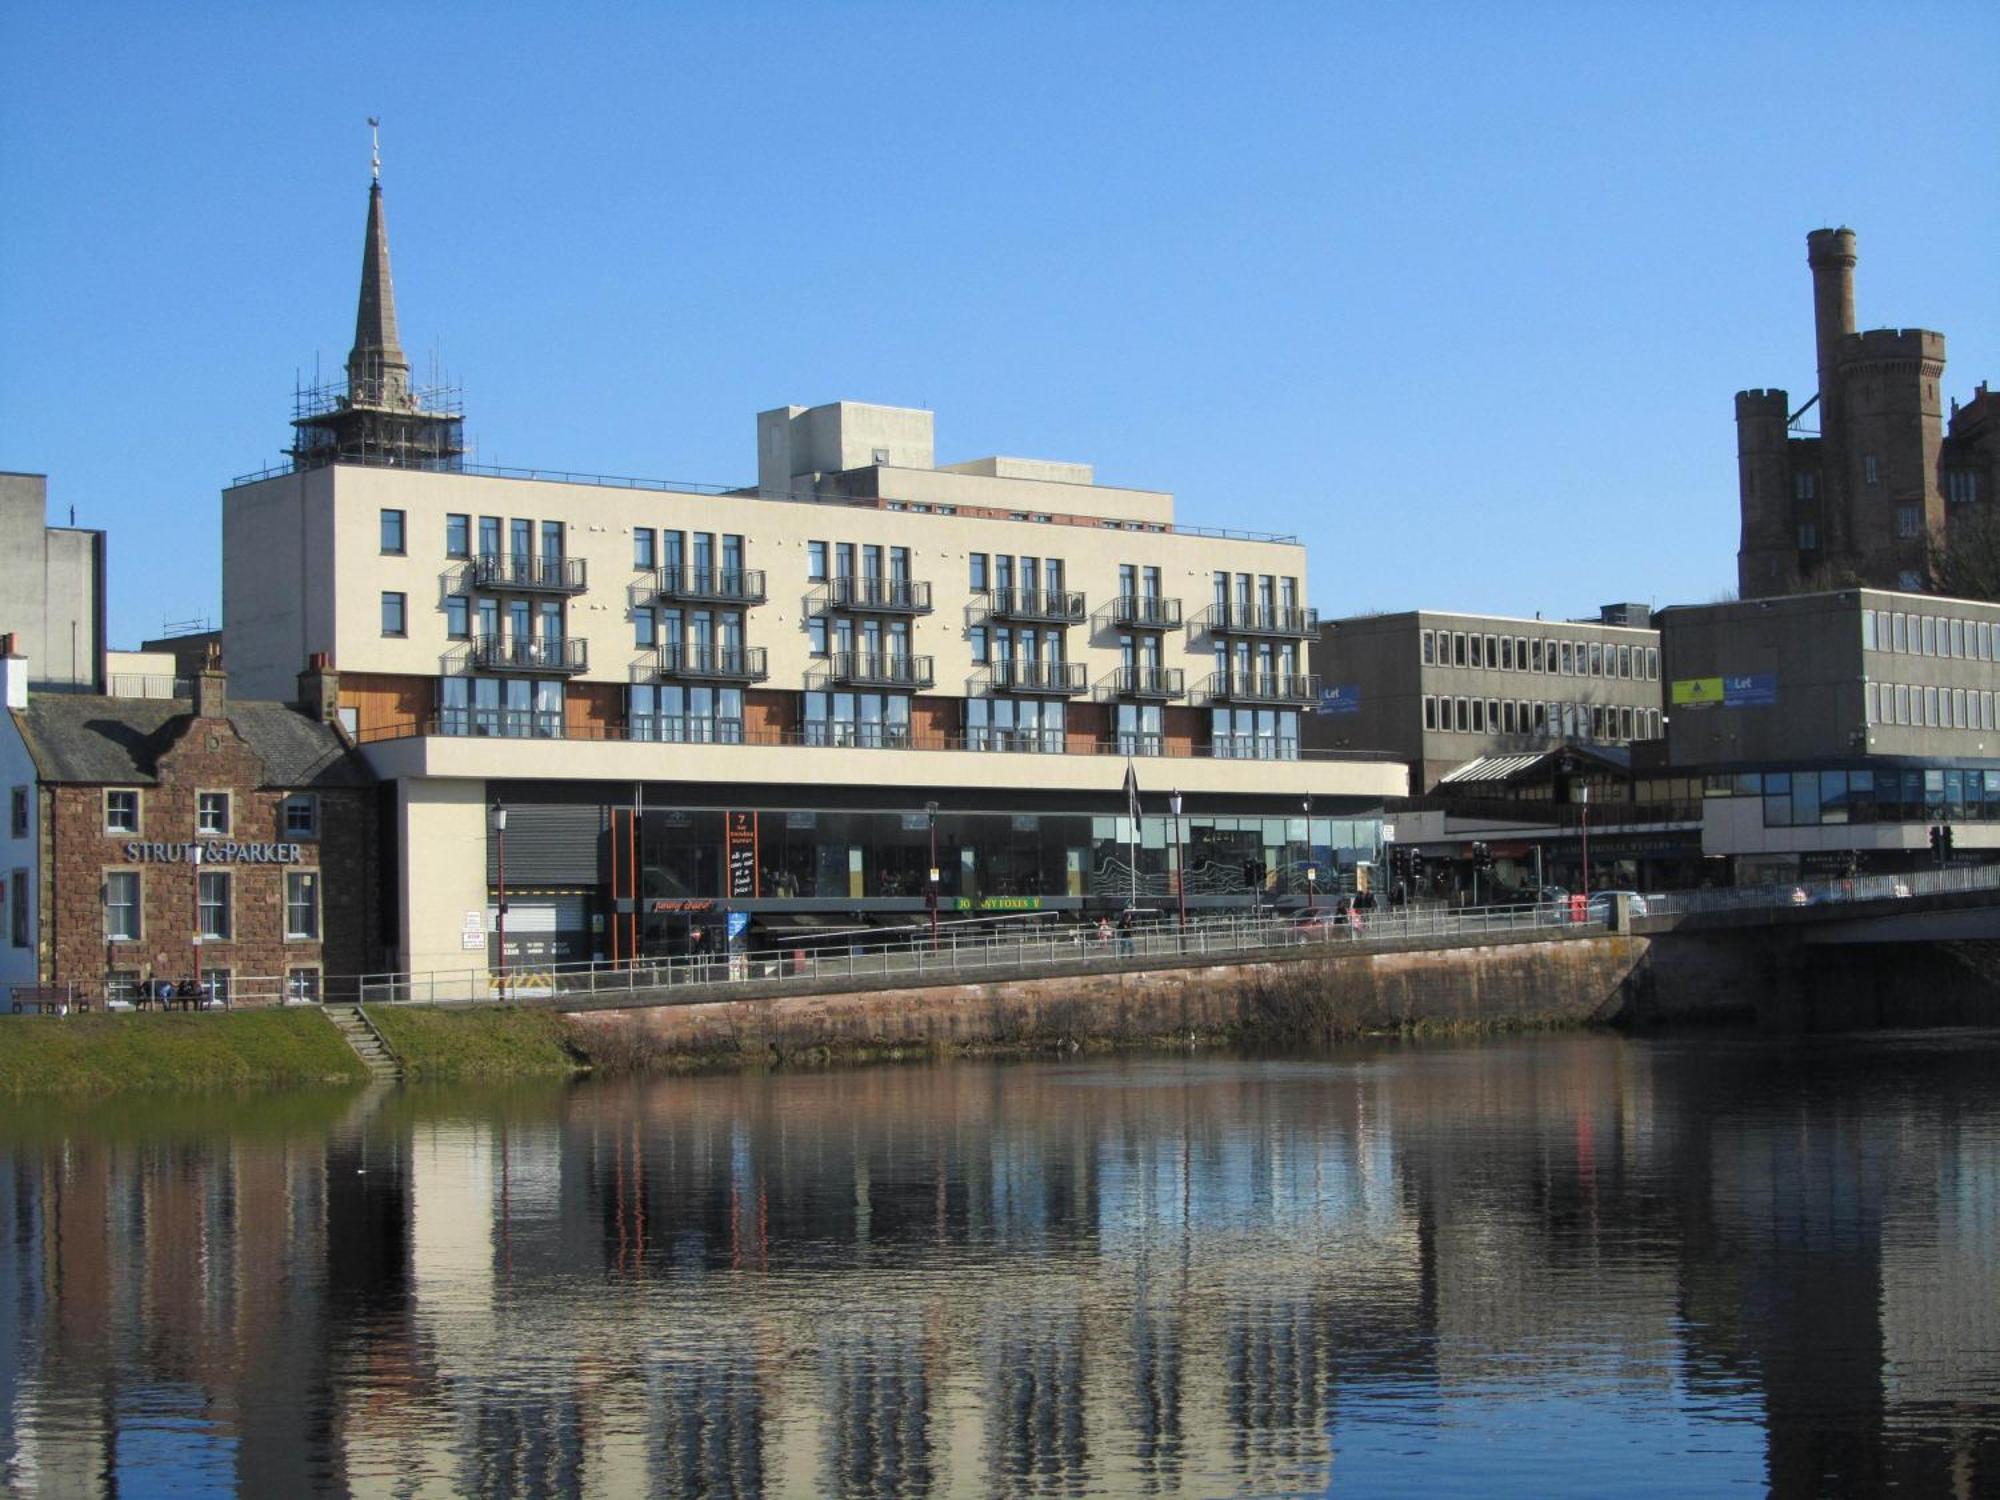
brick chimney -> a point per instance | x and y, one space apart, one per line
319 688
13 673
211 687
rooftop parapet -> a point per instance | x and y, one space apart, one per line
1882 345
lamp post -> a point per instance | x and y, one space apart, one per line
500 910
1312 889
930 813
1180 859
1583 801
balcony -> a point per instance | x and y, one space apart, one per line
1144 682
1060 678
1290 624
713 663
1145 612
492 653
709 585
876 669
526 575
875 596
1261 687
1051 606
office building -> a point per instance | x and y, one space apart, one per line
767 711
1834 731
1863 479
152 838
1440 689
51 589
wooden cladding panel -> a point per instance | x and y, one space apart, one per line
593 710
382 699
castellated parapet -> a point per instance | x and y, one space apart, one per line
1881 346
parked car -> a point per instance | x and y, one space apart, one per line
1600 904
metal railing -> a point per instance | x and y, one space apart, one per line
1145 682
1144 612
1242 619
885 595
1825 891
493 653
542 575
875 958
1063 606
1017 676
719 663
880 669
148 685
734 586
1261 687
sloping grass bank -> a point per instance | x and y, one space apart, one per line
463 1046
241 1049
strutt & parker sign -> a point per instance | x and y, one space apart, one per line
214 852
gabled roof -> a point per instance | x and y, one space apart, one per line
1536 765
80 737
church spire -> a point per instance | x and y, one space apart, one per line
377 372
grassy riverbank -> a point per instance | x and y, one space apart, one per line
462 1046
102 1054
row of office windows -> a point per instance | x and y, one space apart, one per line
124 905
999 571
871 558
1519 653
298 814
702 552
467 615
703 629
1266 593
1596 721
1929 635
498 537
1929 707
1805 799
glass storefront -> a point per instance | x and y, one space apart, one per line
1881 794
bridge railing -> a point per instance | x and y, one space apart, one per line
959 955
1825 892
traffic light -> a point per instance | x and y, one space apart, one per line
1416 866
1482 857
1946 831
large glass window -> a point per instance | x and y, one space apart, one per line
392 532
302 905
686 714
395 613
213 903
644 549
458 536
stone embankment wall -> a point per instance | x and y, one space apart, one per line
1500 985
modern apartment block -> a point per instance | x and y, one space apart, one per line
1835 730
864 680
51 589
1857 483
1437 689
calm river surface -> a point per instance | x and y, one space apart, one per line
1559 1266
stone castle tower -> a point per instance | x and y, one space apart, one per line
378 417
1864 500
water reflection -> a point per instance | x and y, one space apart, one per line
1560 1266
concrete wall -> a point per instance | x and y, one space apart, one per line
51 588
441 833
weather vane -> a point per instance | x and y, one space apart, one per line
375 143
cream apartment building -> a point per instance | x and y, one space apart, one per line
868 683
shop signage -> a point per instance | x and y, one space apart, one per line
1344 699
680 903
1697 692
995 903
215 851
1752 690
741 840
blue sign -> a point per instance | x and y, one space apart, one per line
739 923
1759 690
1345 699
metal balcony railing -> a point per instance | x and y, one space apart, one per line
1145 682
1059 606
528 575
1239 619
492 653
710 585
1145 612
880 669
1261 687
1064 677
884 596
713 663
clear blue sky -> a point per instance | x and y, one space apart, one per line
1460 294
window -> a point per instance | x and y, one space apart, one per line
301 816
1566 659
1478 715
1909 519
489 536
212 903
1652 664
302 905
211 814
392 533
395 613
457 616
1506 653
976 573
816 562
1430 648
121 812
1478 651
1624 661
1596 659
302 986
1536 648
1507 720
458 536
1871 471
1430 712
17 908
1961 486
644 549
121 906
1458 649
1805 485
17 813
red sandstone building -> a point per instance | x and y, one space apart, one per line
151 839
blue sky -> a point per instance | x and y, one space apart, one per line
1460 294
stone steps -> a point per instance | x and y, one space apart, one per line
365 1040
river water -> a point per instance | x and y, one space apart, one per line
1577 1265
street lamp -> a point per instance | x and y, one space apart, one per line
500 910
930 813
1180 859
1583 800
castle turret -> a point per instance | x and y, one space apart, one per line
1767 556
